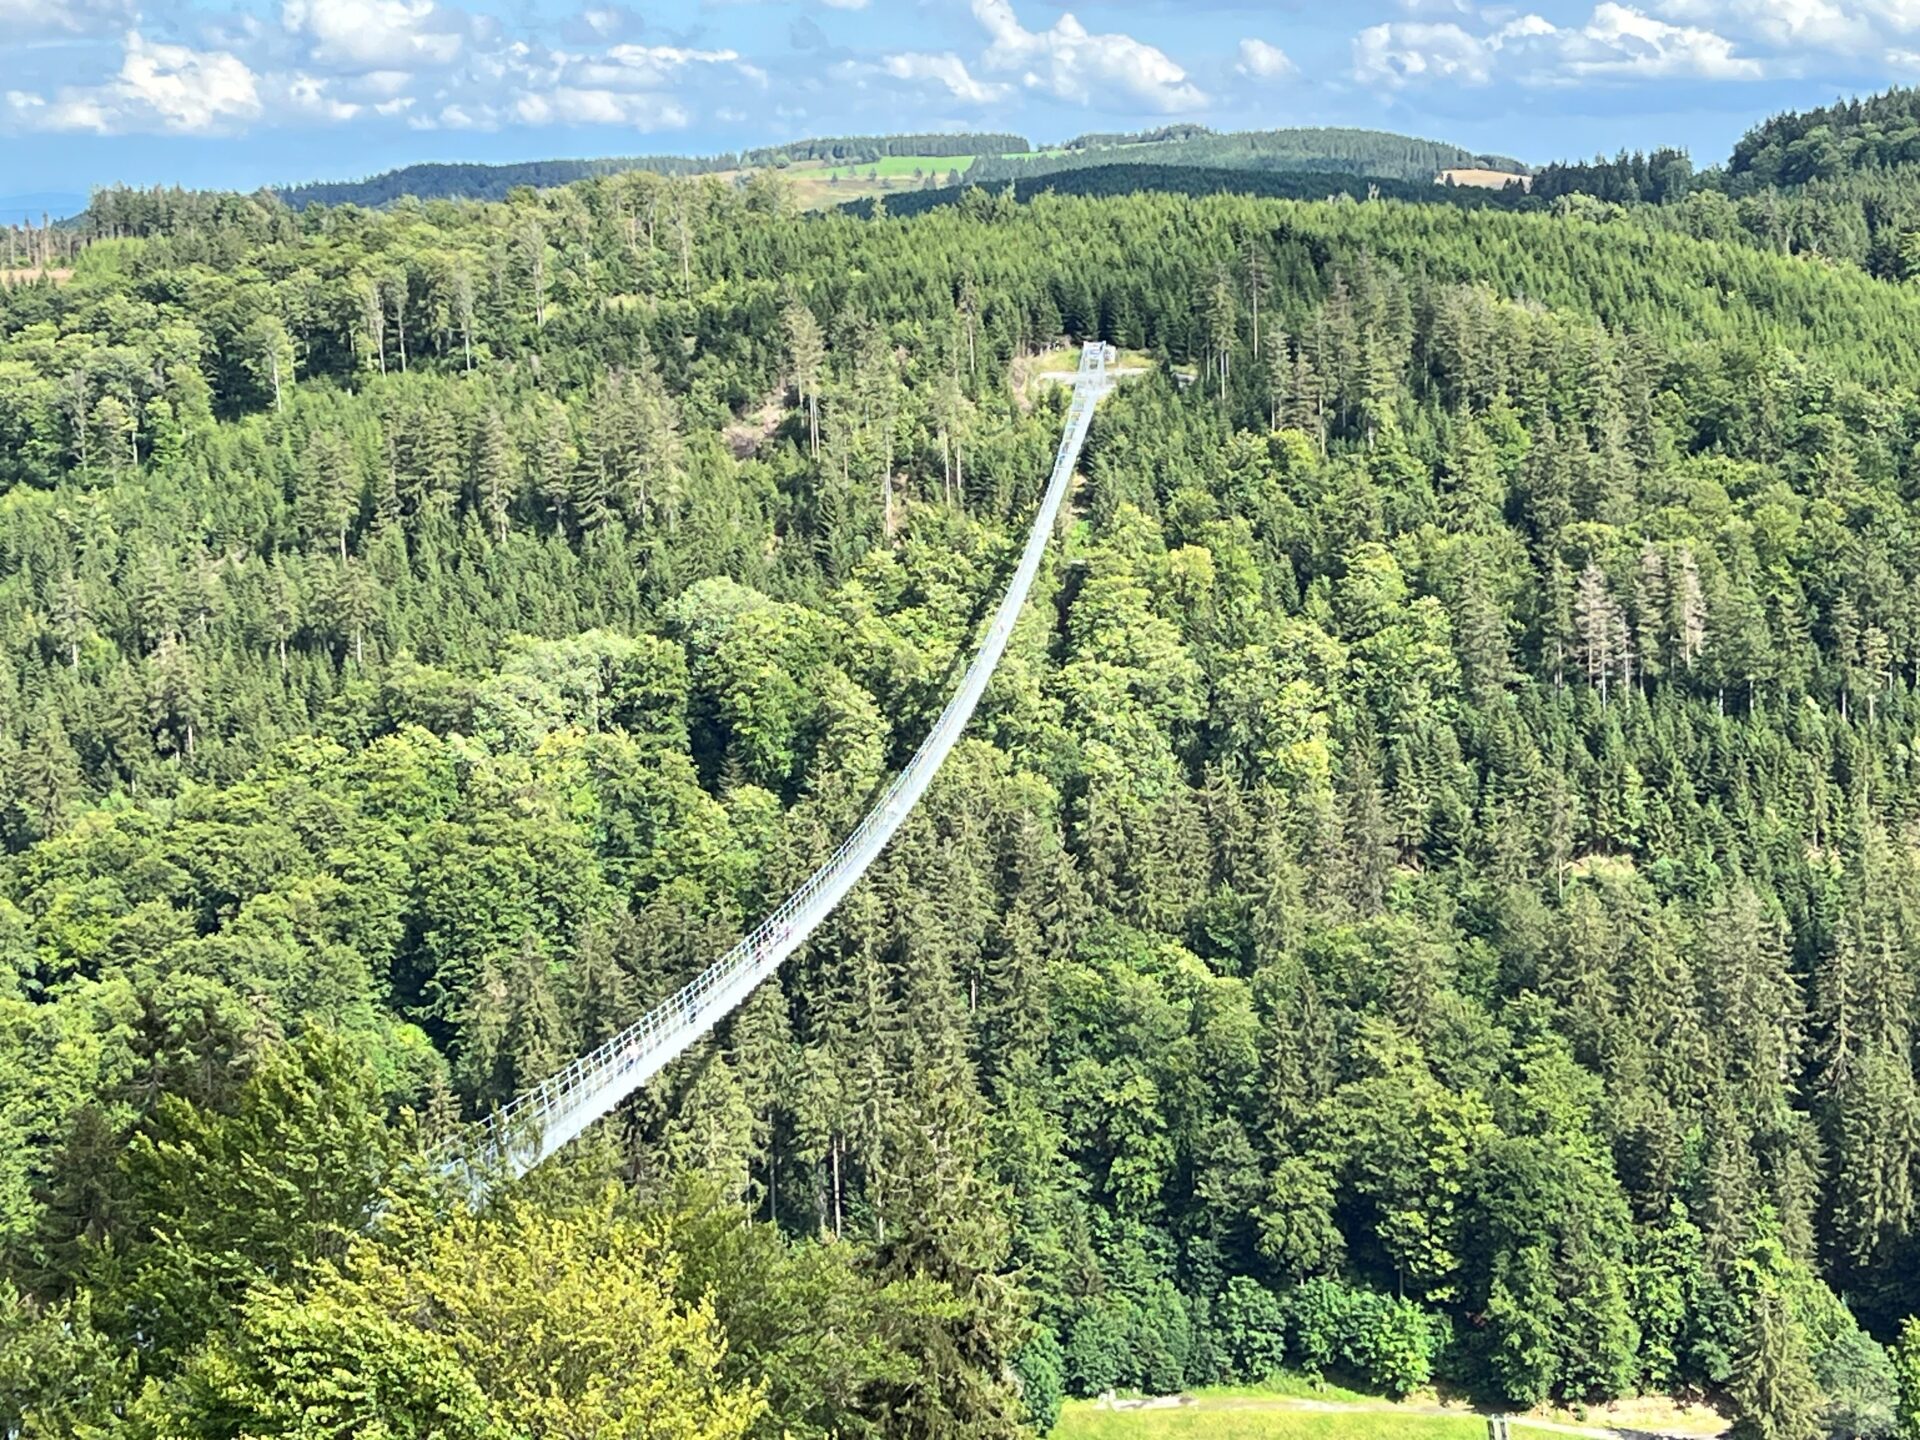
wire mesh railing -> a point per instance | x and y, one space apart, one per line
538 1121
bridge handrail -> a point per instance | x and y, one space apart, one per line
537 1121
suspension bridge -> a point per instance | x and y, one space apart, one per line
540 1120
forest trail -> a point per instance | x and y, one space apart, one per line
539 1121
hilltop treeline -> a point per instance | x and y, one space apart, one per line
1430 891
864 149
1881 132
1116 180
1659 178
1841 182
466 181
1349 152
1001 157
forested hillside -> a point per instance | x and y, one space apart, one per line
1001 157
472 181
1375 153
1430 893
1196 180
1841 183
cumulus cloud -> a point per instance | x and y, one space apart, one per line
408 61
1261 61
377 33
631 86
949 71
168 88
37 19
1850 27
1620 40
1616 43
456 64
1070 63
570 105
1403 52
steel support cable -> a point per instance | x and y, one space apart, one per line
541 1119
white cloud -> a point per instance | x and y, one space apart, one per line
632 86
1622 41
377 34
168 88
1848 27
1617 42
568 105
633 67
311 97
948 70
1261 61
1402 52
35 19
1072 64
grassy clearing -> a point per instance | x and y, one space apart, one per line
1294 1407
1058 367
816 186
893 167
1054 364
1220 1415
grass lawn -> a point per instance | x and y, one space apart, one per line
816 186
1242 1416
1293 1407
893 167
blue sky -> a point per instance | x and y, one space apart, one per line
248 92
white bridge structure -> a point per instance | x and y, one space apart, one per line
540 1120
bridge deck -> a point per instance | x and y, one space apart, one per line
539 1120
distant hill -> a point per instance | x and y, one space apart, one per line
1376 153
1123 179
865 149
999 157
488 182
495 182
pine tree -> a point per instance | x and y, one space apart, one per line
1773 1389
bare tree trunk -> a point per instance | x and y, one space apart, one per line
837 1228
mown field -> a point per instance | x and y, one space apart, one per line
1218 1417
1290 1407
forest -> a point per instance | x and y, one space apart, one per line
1430 897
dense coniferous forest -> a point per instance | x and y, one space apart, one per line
472 181
1837 183
866 148
1430 895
